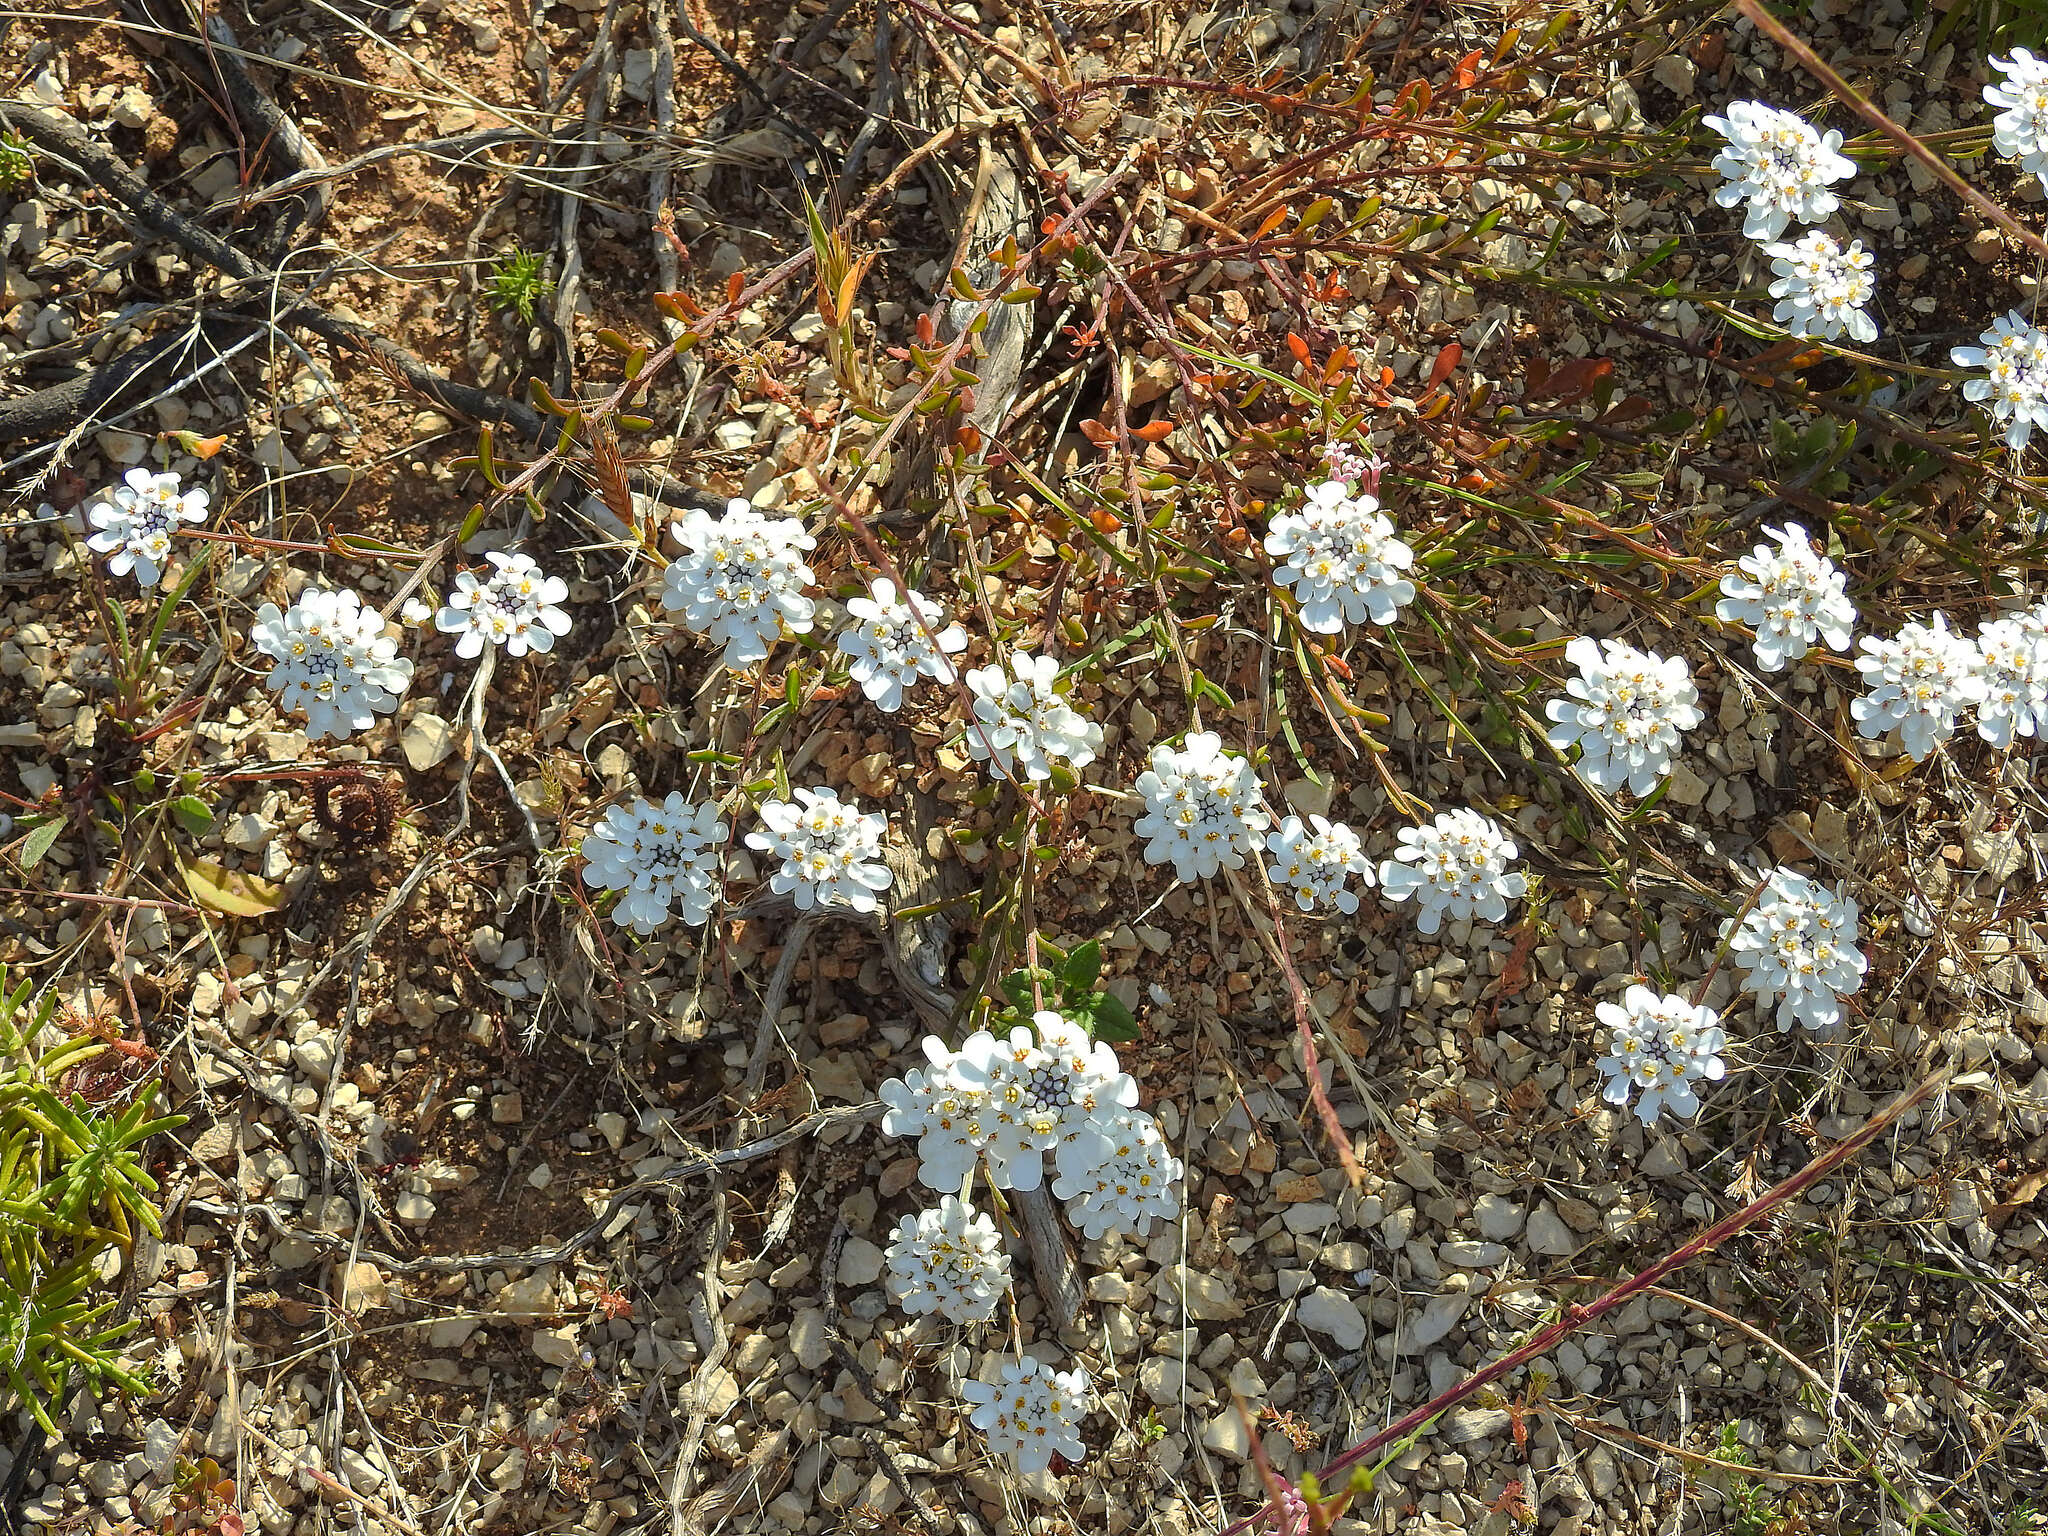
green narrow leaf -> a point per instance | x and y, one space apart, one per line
38 843
193 814
1082 967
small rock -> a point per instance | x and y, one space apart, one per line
1463 1255
1676 73
1498 1218
527 1299
427 741
1438 1318
413 1209
1334 1315
1468 1424
808 1339
507 1108
860 1262
1225 1434
1548 1235
315 1058
559 1346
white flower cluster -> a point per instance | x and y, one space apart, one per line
830 850
1791 596
1660 1046
949 1260
655 856
1341 558
334 663
1625 712
1202 810
1776 164
1797 945
1456 867
1022 722
514 607
1821 288
2012 665
133 522
1032 1414
1919 682
2014 357
741 579
1316 860
1007 1103
894 640
2020 130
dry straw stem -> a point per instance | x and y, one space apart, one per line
1775 29
1575 1318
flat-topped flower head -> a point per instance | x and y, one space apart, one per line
830 850
1341 558
1202 810
334 663
1316 860
740 581
887 647
133 522
656 856
949 1260
1344 462
1918 682
2012 663
1625 712
1006 1101
1456 867
514 607
1659 1047
1119 1176
2014 389
1797 945
1032 1414
1022 722
1821 288
1791 596
1778 165
2020 130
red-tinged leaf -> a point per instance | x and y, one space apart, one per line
1473 480
1153 431
734 287
1386 378
1575 379
1468 69
1098 434
927 331
1343 357
1534 376
1272 222
1338 665
1634 407
1446 360
1298 347
1104 520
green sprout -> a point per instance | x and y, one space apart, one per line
17 169
518 283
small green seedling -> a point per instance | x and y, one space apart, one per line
518 283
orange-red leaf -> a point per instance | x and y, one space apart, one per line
1153 431
1298 347
1468 69
1446 360
734 287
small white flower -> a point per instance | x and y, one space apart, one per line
1626 710
134 521
1797 944
1022 723
1118 1176
1341 558
949 1261
830 850
2014 357
1202 808
1791 596
887 647
514 608
1316 859
1918 682
334 662
415 612
2012 662
1776 163
1821 289
1662 1045
741 579
654 856
1455 867
1033 1413
2020 131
